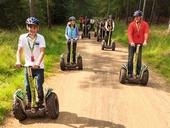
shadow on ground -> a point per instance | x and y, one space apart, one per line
72 120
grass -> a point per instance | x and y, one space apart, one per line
157 53
11 78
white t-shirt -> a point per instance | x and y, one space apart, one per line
39 43
91 21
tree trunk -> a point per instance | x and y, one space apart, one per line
127 12
151 17
144 8
48 15
108 8
140 4
32 8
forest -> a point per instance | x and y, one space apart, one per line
14 12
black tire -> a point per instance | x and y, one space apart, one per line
89 35
52 104
95 34
17 111
97 38
80 63
62 64
113 46
145 77
122 76
103 45
82 36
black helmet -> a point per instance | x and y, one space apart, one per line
32 21
72 18
137 13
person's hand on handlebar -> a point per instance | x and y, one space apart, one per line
18 65
35 66
132 44
144 43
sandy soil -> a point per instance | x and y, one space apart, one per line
94 98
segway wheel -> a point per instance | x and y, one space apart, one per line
80 63
103 42
122 76
89 35
145 77
18 111
113 46
95 34
62 64
52 104
82 36
97 38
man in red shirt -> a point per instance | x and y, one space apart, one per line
137 34
81 21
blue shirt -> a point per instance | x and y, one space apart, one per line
72 33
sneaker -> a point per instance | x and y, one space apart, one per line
72 63
130 75
41 106
28 107
138 76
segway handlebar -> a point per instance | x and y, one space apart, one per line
72 39
138 45
23 66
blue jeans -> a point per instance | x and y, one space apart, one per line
73 51
39 75
131 51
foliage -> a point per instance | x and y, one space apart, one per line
13 13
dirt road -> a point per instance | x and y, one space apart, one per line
94 98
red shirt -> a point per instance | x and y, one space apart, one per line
137 33
81 19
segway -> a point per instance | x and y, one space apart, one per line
111 43
100 35
96 32
143 76
64 65
85 34
20 102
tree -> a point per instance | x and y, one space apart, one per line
140 4
144 8
127 12
151 17
32 8
108 7
48 14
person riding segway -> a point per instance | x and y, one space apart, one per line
109 26
97 25
25 105
92 21
138 34
101 35
86 27
80 22
72 36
